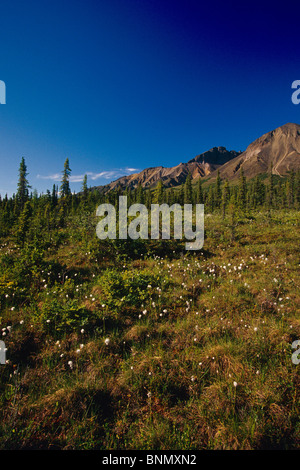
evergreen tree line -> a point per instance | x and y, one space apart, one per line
26 211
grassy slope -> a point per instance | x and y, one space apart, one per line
199 350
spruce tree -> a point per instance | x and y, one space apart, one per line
297 189
23 185
171 197
271 188
65 186
225 198
180 195
84 188
148 199
242 195
199 192
23 223
129 196
292 179
188 190
54 196
139 194
158 193
258 192
211 199
218 191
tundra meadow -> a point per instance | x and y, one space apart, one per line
142 344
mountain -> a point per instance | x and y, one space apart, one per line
215 156
279 148
201 166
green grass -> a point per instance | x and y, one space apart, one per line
153 348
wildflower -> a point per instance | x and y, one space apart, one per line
106 341
82 331
235 384
70 364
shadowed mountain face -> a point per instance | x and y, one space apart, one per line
279 149
215 156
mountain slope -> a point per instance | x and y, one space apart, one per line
200 166
279 148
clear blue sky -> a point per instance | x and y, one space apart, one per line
118 85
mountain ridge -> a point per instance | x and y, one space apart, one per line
278 149
201 165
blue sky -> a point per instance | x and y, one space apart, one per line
121 85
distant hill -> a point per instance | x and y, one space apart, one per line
279 149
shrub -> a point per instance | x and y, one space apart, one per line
64 317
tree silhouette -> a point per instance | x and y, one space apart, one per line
23 185
65 186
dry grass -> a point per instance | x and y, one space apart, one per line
202 362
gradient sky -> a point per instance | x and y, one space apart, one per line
120 85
